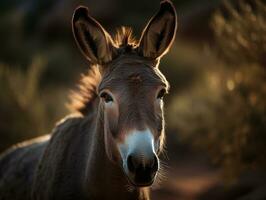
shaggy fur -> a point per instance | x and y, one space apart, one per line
80 160
83 100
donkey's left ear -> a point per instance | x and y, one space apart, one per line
159 34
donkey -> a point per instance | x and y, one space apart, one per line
109 149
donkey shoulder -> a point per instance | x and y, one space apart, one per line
17 166
59 165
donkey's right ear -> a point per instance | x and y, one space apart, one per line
94 42
159 34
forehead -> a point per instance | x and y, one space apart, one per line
133 74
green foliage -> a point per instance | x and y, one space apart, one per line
241 37
25 109
224 112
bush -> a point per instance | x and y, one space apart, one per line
26 110
224 113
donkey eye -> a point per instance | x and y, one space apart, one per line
161 94
106 97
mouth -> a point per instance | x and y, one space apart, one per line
141 184
140 178
140 162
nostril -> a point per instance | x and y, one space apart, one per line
130 163
136 164
154 165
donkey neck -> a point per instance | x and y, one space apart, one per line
103 178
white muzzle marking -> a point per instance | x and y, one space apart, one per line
137 142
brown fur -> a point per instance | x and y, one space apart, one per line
83 99
124 37
81 160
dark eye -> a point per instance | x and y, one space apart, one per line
161 94
106 97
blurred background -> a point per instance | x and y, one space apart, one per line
215 112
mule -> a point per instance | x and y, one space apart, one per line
109 148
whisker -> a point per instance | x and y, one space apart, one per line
161 175
129 187
164 153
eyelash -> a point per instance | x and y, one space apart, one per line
161 94
106 97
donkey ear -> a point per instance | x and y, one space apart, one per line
159 34
94 42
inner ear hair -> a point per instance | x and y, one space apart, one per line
92 39
159 34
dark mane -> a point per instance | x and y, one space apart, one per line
82 100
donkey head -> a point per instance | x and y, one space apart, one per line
131 89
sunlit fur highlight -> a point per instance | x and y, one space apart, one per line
75 163
82 100
124 37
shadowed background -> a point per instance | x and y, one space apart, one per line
215 112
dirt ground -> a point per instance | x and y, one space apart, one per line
186 179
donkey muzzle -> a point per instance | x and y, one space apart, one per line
140 162
142 169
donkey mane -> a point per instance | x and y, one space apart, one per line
83 99
124 38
